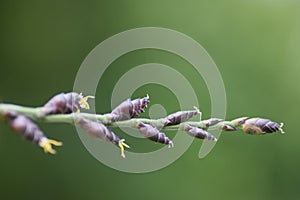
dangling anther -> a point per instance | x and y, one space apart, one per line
46 144
122 144
280 129
199 112
83 102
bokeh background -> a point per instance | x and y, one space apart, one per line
255 45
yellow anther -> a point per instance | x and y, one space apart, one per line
122 144
199 112
83 102
46 144
280 129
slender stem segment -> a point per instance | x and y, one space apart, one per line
36 115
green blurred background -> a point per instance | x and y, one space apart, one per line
256 46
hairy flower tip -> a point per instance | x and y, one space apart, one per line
154 134
198 132
65 103
179 117
260 126
129 109
99 130
29 130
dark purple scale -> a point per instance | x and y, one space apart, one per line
210 122
98 130
179 117
227 127
129 109
63 103
199 133
24 126
123 111
139 106
260 126
154 134
267 126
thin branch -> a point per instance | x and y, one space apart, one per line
18 117
36 115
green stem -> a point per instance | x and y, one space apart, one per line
32 113
36 115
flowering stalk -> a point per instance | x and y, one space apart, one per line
65 108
